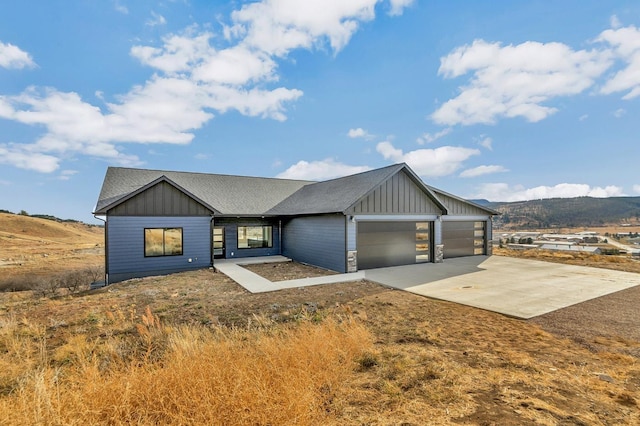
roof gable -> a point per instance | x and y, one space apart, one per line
341 195
398 194
162 197
222 194
335 195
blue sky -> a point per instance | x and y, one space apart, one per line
504 100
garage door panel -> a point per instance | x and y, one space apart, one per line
382 244
465 238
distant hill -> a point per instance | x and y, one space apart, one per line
17 228
567 212
44 216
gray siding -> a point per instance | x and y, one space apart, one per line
161 199
352 229
126 246
398 194
457 207
231 250
316 240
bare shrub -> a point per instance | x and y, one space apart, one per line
95 273
72 281
76 281
16 284
46 286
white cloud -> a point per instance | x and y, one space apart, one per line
12 57
398 6
428 162
28 160
156 19
514 81
583 117
482 170
121 8
504 192
278 26
359 133
486 142
615 22
201 156
320 170
66 174
626 45
193 81
429 137
636 189
619 112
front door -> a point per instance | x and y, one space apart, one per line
218 242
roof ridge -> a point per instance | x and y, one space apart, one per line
210 174
360 173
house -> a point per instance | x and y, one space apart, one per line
159 222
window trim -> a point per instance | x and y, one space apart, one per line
164 229
253 226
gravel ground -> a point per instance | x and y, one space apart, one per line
610 322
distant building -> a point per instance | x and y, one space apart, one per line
571 248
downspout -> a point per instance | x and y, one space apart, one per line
106 250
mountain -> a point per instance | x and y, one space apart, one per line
567 212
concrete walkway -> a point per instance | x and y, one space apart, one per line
516 287
257 284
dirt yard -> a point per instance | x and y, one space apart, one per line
431 362
283 271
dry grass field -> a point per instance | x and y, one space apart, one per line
618 263
196 348
32 247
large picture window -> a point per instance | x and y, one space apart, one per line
162 242
255 237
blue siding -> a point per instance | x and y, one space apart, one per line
231 249
316 240
126 246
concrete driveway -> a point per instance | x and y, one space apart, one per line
517 287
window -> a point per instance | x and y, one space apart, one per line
478 238
255 237
422 241
162 242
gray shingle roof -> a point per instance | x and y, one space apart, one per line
255 196
335 195
229 195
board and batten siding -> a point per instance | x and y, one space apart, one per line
162 199
316 240
397 195
126 246
459 207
